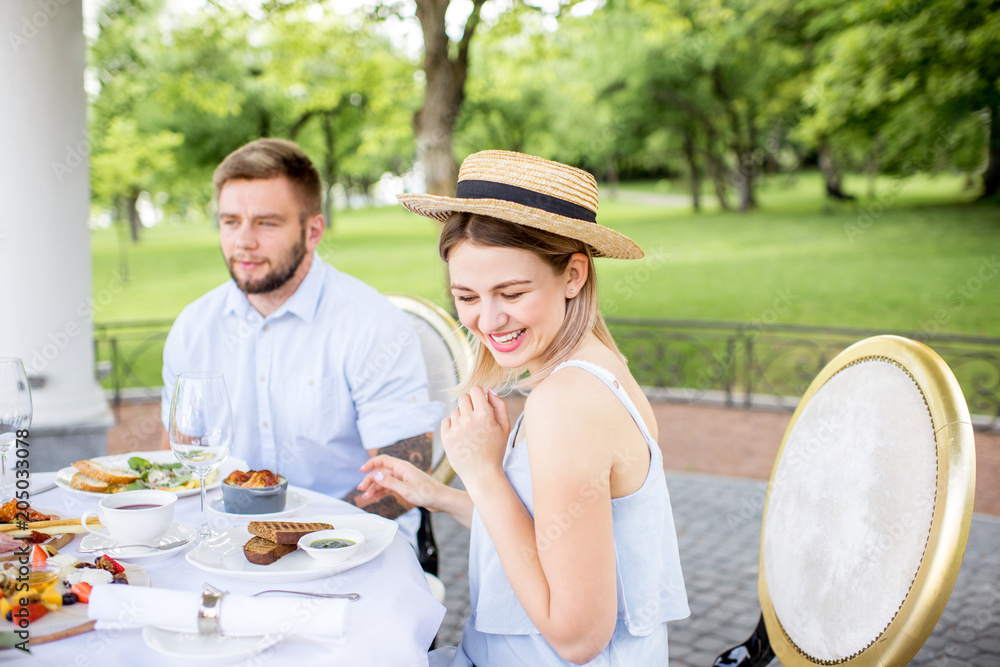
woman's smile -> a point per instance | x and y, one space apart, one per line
507 342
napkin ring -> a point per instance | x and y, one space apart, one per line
208 612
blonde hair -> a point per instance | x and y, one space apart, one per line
583 314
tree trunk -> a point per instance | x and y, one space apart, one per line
831 174
690 154
135 224
119 214
991 177
443 94
716 168
329 166
872 171
749 162
717 171
744 186
612 173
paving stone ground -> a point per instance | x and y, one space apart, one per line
718 528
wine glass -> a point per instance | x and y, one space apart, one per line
15 410
201 429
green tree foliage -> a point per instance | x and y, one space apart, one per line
917 82
719 91
195 87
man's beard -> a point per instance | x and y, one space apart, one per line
276 277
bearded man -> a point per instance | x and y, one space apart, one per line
322 371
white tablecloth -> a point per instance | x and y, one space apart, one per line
392 624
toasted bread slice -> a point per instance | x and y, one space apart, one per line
284 532
264 552
84 483
97 471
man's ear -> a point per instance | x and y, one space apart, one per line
315 226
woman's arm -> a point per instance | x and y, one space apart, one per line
561 565
389 474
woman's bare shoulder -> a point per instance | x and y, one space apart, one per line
571 400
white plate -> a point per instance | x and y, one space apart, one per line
76 614
293 503
177 531
206 649
120 461
224 554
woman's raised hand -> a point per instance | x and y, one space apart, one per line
388 474
475 435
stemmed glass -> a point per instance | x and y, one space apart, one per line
201 429
15 410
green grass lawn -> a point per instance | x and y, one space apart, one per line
916 258
896 263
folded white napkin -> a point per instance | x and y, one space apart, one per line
115 606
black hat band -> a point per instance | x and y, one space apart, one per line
525 197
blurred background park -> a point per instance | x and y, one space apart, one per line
800 174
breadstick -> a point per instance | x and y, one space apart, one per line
50 530
34 525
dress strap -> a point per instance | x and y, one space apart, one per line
608 378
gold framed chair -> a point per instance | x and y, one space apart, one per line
448 356
867 513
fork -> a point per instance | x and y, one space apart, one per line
346 596
161 547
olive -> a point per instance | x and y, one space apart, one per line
10 615
70 598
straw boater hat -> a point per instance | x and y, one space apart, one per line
531 191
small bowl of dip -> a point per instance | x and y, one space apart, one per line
332 546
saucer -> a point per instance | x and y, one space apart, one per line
177 531
293 503
207 649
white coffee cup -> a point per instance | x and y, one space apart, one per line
134 517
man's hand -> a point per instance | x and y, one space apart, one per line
417 450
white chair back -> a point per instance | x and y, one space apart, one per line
868 508
447 355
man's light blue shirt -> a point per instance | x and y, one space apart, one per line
336 370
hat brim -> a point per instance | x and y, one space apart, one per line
604 241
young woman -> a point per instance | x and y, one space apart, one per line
573 555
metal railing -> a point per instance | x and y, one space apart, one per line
129 355
734 363
772 365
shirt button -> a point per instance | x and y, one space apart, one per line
262 378
264 425
267 328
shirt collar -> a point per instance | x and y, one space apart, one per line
303 303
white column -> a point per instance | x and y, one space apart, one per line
45 279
